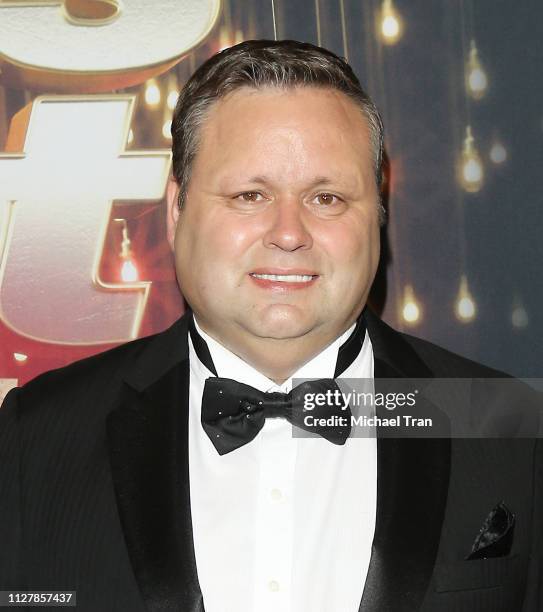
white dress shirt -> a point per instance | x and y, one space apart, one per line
281 524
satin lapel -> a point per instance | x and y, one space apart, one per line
148 444
412 487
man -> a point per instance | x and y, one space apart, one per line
126 479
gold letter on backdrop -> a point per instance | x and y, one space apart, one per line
66 161
56 197
97 45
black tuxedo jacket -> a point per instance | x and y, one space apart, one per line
94 490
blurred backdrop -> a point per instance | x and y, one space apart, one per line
87 90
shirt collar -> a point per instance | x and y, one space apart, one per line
229 365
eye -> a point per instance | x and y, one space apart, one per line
250 196
326 199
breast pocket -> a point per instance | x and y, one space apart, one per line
476 574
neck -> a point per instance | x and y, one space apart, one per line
277 359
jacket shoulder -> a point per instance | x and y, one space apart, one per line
96 381
508 407
445 363
417 358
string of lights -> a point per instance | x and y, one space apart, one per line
389 30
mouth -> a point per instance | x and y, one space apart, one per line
285 278
295 279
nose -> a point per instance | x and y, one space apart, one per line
287 230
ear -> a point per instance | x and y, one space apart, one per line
172 214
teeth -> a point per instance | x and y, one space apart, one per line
285 278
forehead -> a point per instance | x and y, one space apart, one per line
296 120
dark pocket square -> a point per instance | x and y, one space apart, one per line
496 535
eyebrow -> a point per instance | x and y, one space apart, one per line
264 180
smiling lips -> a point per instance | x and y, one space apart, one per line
291 279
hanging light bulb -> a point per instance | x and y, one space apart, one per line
129 270
171 100
519 316
167 129
411 311
470 167
152 93
476 79
498 153
173 91
390 26
167 124
465 305
130 136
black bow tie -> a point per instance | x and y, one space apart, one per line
233 413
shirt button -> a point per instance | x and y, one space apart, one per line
276 494
273 585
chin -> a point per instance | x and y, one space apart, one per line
281 322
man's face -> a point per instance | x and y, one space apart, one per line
279 235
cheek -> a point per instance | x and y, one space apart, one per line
231 236
348 246
207 244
